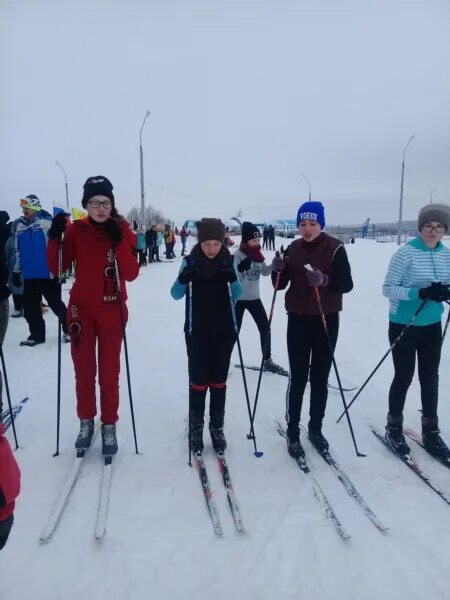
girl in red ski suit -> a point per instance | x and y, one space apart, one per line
9 487
93 314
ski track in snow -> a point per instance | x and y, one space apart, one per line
159 541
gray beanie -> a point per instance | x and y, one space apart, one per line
434 212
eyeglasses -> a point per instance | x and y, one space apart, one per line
98 203
427 228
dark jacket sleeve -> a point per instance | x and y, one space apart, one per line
341 280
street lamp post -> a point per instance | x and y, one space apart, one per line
399 235
309 185
147 114
432 190
67 187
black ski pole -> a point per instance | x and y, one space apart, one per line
330 346
252 431
58 383
190 383
391 347
8 396
266 344
446 324
125 345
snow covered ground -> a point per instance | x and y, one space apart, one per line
159 541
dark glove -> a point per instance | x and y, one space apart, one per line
316 278
113 231
16 279
436 292
244 265
227 273
57 227
278 264
188 274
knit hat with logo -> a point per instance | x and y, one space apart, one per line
31 202
97 186
210 229
434 212
249 231
311 211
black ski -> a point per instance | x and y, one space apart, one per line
285 373
412 464
232 500
415 437
212 508
349 487
317 491
281 371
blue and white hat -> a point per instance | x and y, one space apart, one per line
311 211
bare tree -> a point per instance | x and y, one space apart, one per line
153 216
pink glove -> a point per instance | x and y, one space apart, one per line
316 278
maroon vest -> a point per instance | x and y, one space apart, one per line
300 298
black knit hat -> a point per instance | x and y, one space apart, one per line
249 231
210 229
97 186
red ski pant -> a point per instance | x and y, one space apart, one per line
90 326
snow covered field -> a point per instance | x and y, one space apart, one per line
159 542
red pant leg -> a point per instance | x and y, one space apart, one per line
109 345
83 334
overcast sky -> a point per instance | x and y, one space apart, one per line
245 97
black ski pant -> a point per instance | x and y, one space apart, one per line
209 354
5 530
18 301
426 343
142 257
309 355
33 290
258 312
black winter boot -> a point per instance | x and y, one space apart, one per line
432 441
317 438
109 440
394 435
84 438
294 446
196 434
216 430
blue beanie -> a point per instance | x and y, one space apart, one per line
311 211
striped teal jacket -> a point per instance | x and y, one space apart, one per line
412 267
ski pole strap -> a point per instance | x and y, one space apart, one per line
233 312
190 308
116 271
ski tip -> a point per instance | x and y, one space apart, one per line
258 453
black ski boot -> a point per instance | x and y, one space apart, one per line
196 434
109 440
217 436
294 446
318 439
269 365
432 441
84 438
394 435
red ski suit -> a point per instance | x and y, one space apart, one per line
9 478
93 314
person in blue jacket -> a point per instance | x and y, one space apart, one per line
208 281
418 272
31 264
